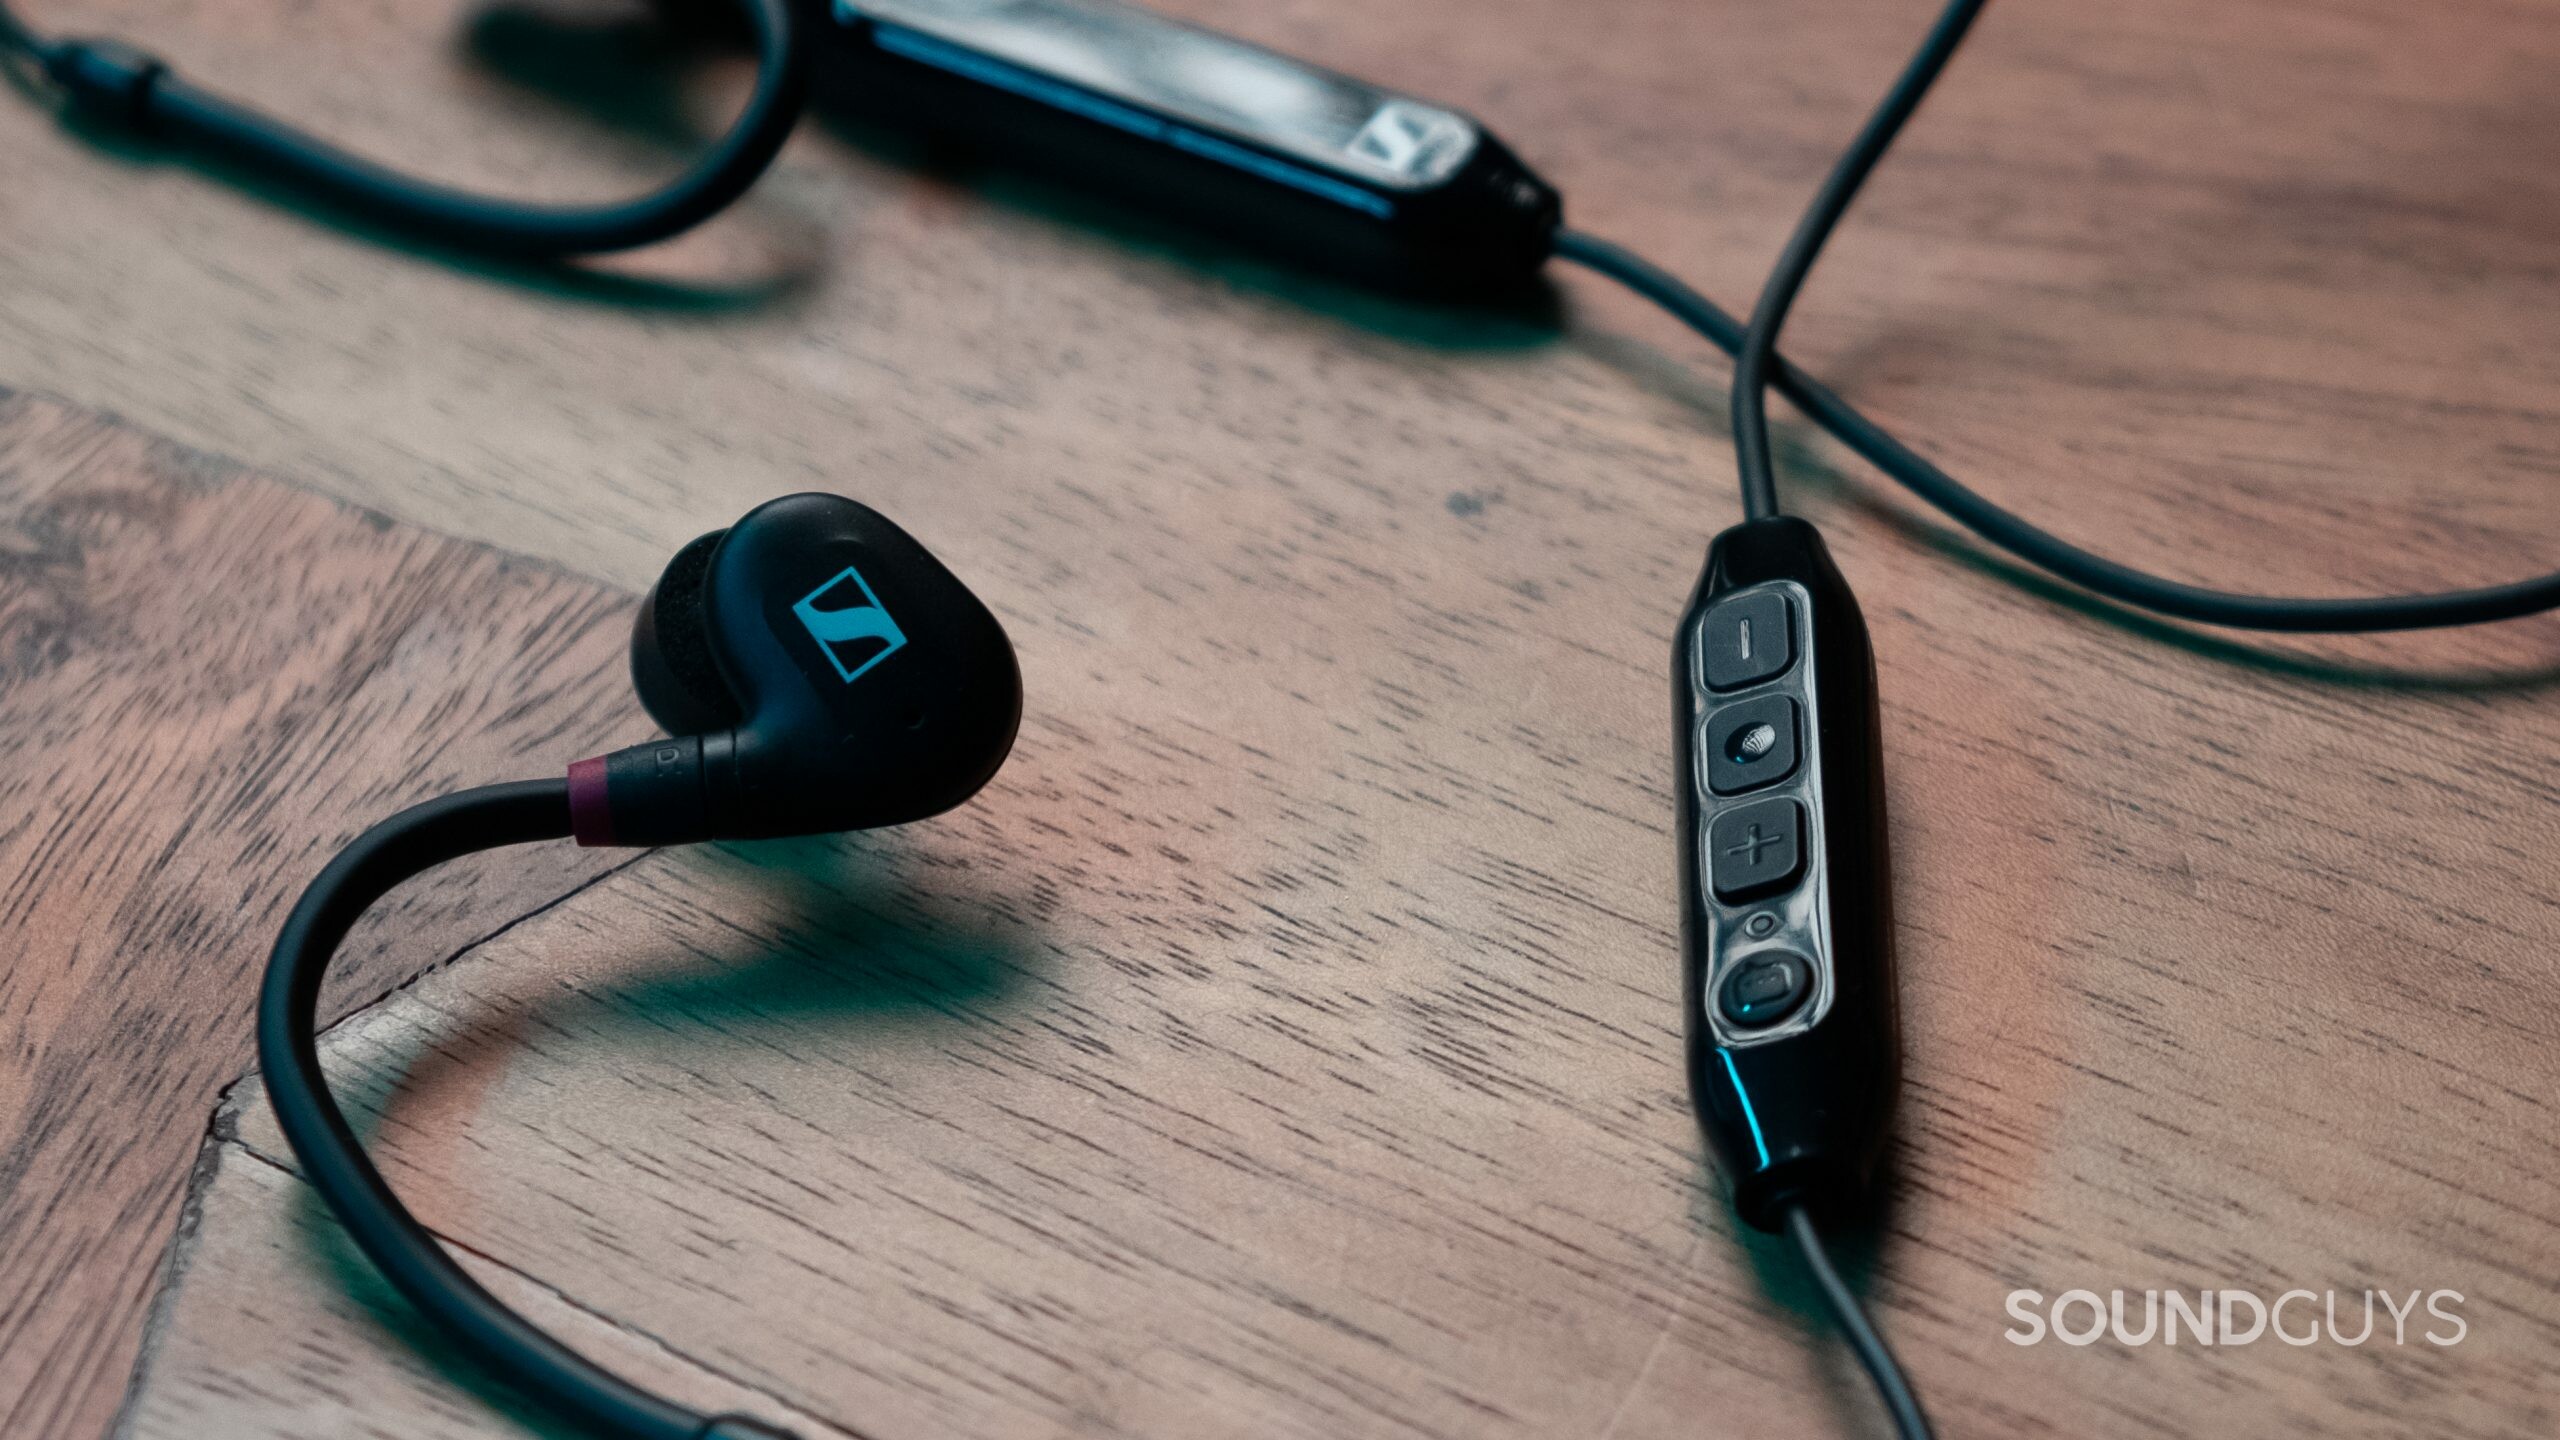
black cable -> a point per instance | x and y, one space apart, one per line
415 840
117 84
1895 1391
1778 295
15 36
2041 548
1757 363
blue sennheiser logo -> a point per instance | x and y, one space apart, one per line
852 629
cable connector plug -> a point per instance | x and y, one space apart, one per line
107 79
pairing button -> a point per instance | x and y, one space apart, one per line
1764 989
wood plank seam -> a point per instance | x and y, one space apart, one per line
175 1259
224 1146
222 1128
336 664
223 1136
459 952
1340 625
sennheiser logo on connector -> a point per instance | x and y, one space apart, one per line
852 628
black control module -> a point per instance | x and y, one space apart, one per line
1786 897
1115 99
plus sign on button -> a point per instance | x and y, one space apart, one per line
1755 849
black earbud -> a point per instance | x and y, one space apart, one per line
819 670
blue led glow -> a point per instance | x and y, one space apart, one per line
1270 169
969 64
1748 1118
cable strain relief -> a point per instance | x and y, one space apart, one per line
590 803
107 80
650 794
1765 1198
741 1427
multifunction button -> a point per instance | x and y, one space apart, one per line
1745 640
1750 744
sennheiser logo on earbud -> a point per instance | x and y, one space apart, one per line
851 627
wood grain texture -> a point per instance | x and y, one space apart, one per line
253 1220
2259 292
1285 1043
1127 1109
208 682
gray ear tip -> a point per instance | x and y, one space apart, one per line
680 684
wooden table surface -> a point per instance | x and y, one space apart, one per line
1287 1042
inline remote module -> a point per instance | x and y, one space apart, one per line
1786 911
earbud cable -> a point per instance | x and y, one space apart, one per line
409 843
1813 230
15 37
1757 364
1909 1422
115 84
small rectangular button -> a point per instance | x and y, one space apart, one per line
1750 743
1756 849
1744 640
